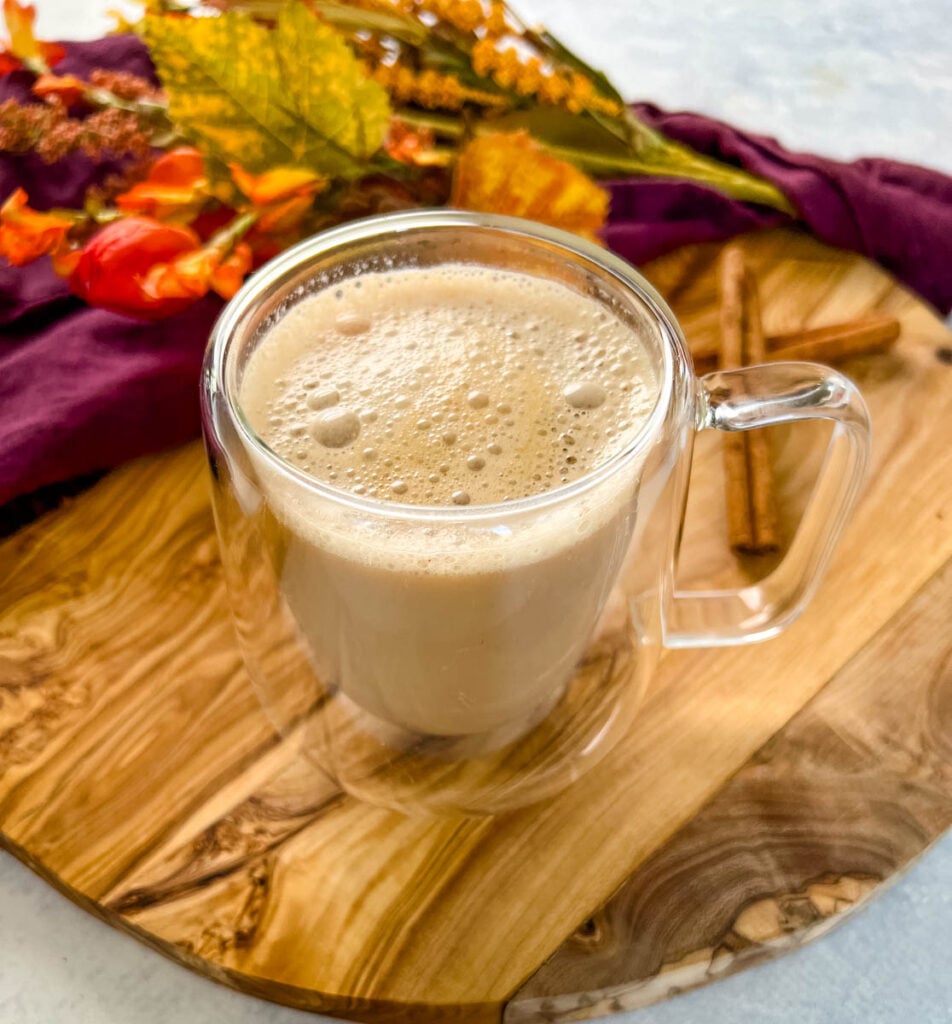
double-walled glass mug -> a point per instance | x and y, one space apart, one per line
473 659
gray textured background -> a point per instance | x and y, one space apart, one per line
857 77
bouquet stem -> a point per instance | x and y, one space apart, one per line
649 154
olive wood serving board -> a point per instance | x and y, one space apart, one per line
764 792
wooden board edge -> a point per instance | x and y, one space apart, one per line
371 1011
625 998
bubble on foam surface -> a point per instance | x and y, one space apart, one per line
462 385
335 427
323 398
584 395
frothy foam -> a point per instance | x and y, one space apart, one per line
457 385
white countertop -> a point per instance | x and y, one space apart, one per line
845 78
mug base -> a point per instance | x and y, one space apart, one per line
489 773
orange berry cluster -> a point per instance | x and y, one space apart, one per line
465 15
430 89
524 75
531 77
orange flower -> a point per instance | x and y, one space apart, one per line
280 183
187 276
231 272
414 146
19 18
192 274
283 216
23 47
508 172
409 145
67 88
27 234
175 185
112 268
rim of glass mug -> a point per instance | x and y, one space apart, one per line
220 371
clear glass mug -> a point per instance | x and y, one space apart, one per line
474 659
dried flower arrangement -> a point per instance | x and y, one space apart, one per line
277 118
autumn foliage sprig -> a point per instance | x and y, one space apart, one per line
276 118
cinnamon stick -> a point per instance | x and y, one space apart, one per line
739 525
862 336
857 337
752 520
760 485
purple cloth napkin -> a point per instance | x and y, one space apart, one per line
83 390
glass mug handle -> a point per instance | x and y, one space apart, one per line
759 396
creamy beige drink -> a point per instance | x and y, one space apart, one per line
453 388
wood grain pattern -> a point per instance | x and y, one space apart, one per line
137 773
838 802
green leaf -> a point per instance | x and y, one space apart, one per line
325 84
556 126
292 95
352 19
